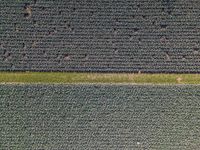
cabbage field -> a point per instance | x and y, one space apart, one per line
99 117
100 36
102 74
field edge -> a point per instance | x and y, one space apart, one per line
116 78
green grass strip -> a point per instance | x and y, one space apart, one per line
65 78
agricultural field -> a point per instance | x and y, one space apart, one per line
148 36
102 74
153 117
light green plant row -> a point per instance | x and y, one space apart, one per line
64 78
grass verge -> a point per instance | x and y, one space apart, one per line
64 78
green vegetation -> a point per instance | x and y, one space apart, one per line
47 117
73 77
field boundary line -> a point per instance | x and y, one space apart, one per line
96 78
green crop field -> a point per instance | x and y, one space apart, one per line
105 75
59 110
158 117
64 78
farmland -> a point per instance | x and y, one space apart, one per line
83 74
99 117
100 36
